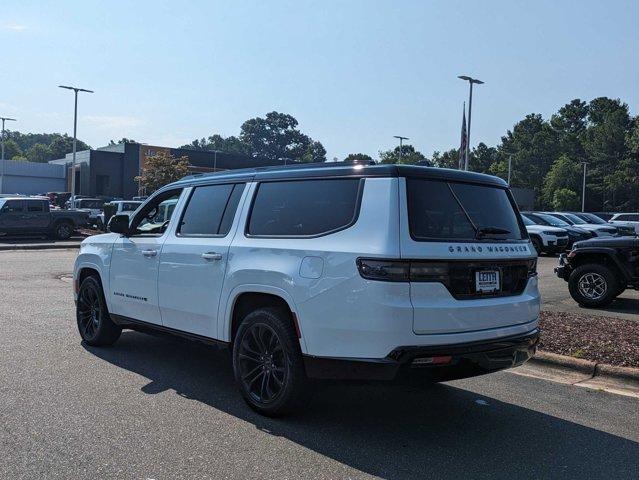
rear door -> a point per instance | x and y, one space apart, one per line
194 257
37 215
462 281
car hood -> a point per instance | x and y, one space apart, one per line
101 239
544 228
618 242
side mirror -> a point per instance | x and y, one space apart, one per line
119 224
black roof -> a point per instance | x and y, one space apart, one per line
341 170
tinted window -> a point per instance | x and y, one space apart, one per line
129 207
12 206
206 209
458 211
35 206
306 207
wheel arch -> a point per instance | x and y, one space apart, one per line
86 266
244 298
602 256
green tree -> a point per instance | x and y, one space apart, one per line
358 157
570 123
564 174
63 144
565 199
448 159
409 156
161 169
217 142
12 149
534 146
482 157
122 140
277 137
39 153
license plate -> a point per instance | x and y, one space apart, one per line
486 281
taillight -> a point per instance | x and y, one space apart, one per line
387 270
429 272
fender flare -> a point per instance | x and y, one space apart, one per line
224 327
609 253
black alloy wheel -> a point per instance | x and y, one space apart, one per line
94 323
262 363
267 362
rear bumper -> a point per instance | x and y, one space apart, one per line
466 360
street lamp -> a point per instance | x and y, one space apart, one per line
401 139
2 174
471 81
583 190
75 128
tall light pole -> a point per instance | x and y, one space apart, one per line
401 139
471 81
583 190
2 173
510 167
75 131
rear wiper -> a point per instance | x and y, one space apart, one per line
482 231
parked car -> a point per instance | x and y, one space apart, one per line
91 205
628 220
597 230
575 234
600 269
33 216
330 271
622 228
124 207
546 239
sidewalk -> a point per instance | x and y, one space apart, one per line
39 243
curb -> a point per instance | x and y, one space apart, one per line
584 373
35 246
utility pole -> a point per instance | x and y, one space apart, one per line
75 128
401 139
471 81
583 190
2 173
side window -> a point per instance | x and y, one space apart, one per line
304 207
12 206
37 206
208 208
154 216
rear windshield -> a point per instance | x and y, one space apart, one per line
440 210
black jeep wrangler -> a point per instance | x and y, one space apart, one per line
600 269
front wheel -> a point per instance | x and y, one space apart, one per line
267 362
593 285
94 323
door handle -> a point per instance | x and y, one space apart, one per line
149 253
212 256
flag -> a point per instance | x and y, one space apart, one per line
464 139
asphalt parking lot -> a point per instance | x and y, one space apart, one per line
164 408
555 296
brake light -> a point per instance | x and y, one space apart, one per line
387 270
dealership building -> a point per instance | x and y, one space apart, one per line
110 171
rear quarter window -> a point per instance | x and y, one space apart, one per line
304 208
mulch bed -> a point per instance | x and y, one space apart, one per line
614 341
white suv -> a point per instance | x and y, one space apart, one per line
322 271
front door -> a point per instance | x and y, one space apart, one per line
193 259
12 218
37 215
134 264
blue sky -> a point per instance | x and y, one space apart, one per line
354 73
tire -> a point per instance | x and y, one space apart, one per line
593 285
63 230
94 323
272 383
539 246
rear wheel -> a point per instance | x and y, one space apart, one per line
267 362
63 230
593 285
94 323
